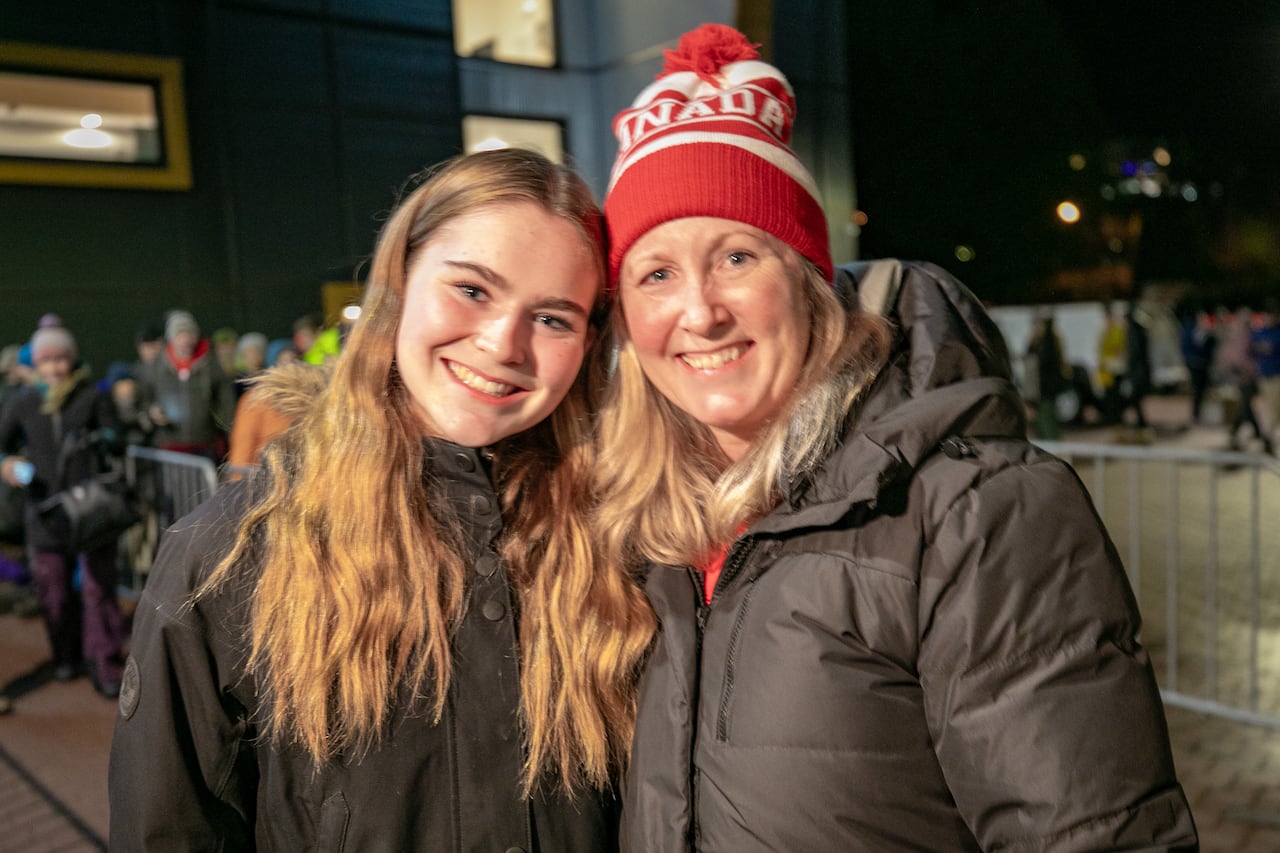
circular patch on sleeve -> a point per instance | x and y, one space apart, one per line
130 688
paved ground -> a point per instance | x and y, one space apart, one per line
54 745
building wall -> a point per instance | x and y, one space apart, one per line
305 118
610 51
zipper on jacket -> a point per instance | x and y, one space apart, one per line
730 665
702 612
733 564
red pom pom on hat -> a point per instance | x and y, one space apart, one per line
705 50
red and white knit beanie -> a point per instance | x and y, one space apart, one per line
711 137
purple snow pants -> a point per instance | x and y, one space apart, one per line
86 624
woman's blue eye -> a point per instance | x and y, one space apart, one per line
470 291
738 258
658 275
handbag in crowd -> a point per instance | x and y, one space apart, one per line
92 512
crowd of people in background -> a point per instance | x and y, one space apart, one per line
1235 357
62 420
1232 373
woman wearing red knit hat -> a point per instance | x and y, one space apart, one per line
888 621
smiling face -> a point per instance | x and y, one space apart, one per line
495 322
716 312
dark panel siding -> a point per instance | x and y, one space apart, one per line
305 118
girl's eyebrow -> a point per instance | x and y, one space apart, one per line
556 303
481 270
491 277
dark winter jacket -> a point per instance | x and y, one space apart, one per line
198 401
188 771
85 425
929 646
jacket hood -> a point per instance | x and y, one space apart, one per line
947 374
291 388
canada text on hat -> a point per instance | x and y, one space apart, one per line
710 137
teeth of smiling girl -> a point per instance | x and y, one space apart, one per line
713 360
473 380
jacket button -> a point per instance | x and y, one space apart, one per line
515 850
481 504
465 461
487 565
493 610
958 448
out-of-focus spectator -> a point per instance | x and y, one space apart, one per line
314 342
14 375
225 341
1136 383
1046 350
259 419
1265 346
46 321
186 394
1239 371
148 342
1199 344
122 384
14 378
1113 361
45 427
251 359
281 351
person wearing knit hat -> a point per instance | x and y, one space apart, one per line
44 450
904 615
185 393
51 341
179 322
711 137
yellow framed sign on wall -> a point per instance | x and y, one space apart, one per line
86 118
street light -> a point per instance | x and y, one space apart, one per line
1068 212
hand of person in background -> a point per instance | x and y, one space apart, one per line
16 471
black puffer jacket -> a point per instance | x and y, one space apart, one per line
188 772
931 646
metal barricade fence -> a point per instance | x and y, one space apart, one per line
1199 534
169 485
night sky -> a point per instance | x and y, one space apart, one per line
965 115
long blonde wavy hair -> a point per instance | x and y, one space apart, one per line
360 579
668 492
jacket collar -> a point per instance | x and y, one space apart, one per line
947 374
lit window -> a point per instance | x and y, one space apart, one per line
516 31
480 133
71 118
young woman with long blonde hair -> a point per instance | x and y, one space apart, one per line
393 636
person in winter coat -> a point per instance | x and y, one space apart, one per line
1051 375
888 621
1238 369
1198 340
186 394
49 426
392 636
